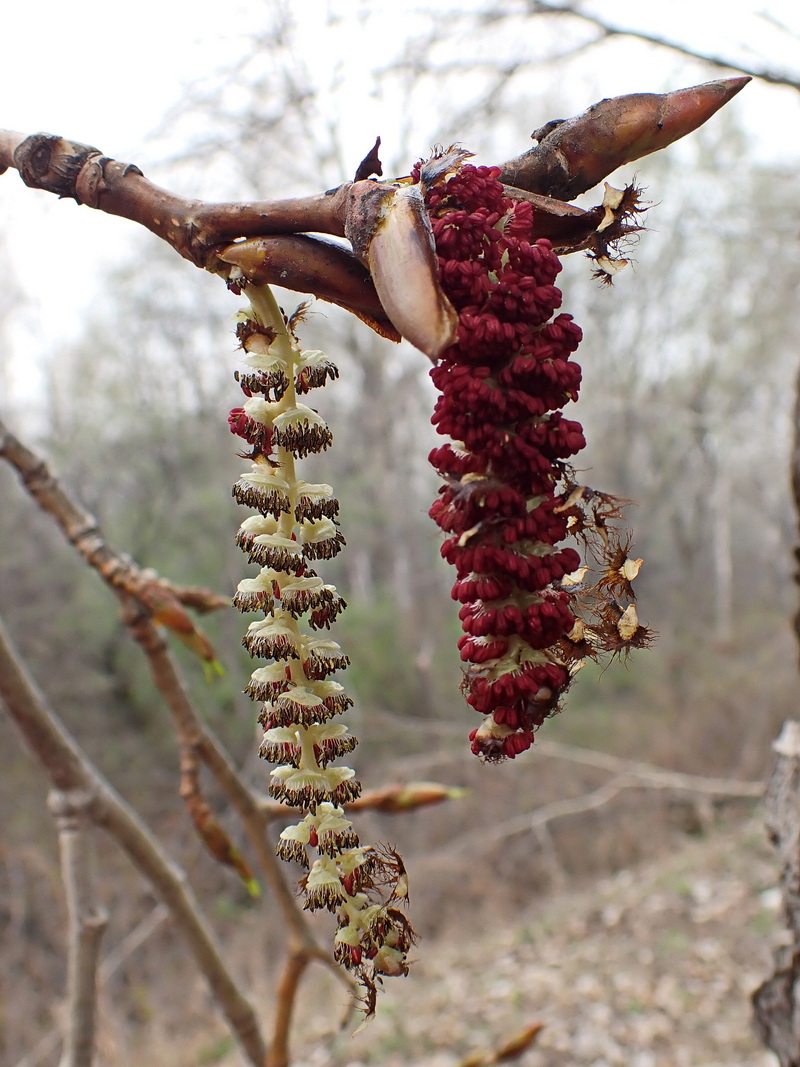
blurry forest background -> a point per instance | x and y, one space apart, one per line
689 363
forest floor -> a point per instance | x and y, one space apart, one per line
652 967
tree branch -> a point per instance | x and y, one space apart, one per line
111 963
571 157
627 774
193 228
85 927
294 967
69 769
650 775
540 7
195 737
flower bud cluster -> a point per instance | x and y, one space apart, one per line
294 526
508 502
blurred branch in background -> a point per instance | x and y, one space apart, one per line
609 29
86 922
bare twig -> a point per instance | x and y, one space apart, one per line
560 809
511 1049
85 926
647 774
389 799
69 769
608 30
628 774
195 739
571 157
192 228
133 940
294 967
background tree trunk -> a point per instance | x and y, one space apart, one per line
777 1000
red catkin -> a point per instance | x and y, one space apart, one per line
501 387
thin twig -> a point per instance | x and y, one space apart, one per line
133 940
294 967
85 927
560 809
608 30
649 775
192 228
194 736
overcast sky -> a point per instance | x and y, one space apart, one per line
106 74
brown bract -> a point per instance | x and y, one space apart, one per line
390 231
311 265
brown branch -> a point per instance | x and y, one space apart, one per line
628 775
69 769
199 231
288 987
85 926
572 156
646 773
193 228
390 800
136 937
651 775
511 1049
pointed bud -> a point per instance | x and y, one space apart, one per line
397 798
578 153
